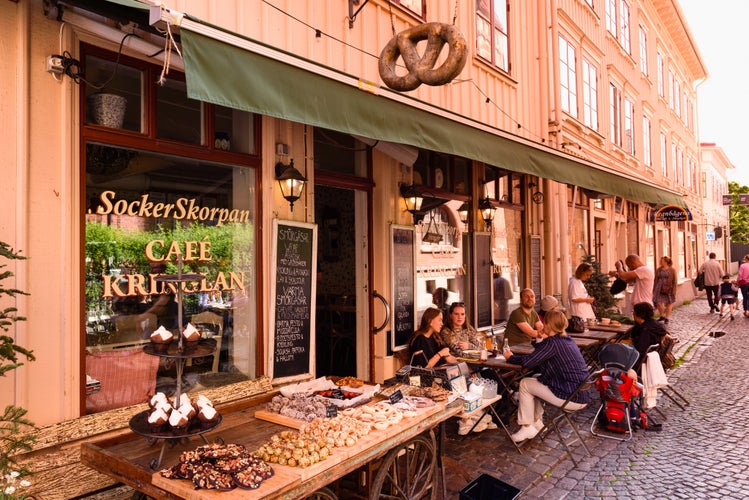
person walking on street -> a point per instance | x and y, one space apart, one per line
664 290
639 273
743 282
728 293
713 277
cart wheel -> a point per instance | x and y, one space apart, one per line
407 472
323 494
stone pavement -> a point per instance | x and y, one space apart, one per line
701 452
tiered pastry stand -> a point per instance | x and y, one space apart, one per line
180 352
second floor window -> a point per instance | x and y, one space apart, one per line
643 51
664 152
567 77
590 95
491 32
661 80
415 6
617 22
615 110
629 124
646 154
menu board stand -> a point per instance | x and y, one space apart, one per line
293 292
403 266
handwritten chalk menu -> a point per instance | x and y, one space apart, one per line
293 279
404 271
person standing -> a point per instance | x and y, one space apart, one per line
664 290
713 277
581 303
639 273
502 296
524 323
743 281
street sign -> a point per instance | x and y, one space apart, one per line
727 199
710 236
743 199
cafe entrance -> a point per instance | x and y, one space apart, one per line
341 199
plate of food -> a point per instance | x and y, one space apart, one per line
472 353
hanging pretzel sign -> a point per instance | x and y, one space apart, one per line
421 67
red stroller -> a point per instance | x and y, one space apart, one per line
621 397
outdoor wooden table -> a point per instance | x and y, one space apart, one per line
600 335
612 328
127 458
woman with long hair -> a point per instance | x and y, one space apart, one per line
427 349
458 334
580 301
664 289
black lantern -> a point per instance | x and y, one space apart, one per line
291 181
487 211
412 198
463 211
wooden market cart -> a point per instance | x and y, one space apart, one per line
403 458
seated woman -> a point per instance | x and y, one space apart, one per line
427 350
458 334
562 369
646 331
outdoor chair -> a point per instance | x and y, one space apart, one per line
562 414
667 389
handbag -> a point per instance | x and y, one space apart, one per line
576 325
699 281
618 286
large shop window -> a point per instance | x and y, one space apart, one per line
170 186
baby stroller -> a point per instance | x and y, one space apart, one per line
621 408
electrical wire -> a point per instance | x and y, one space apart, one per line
72 67
318 33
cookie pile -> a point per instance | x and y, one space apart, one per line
220 467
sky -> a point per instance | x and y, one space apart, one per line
719 29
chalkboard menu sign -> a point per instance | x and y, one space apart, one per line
293 269
402 259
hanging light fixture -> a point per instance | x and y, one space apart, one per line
291 181
463 211
412 198
487 211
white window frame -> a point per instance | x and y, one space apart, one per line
590 94
615 111
624 35
628 136
568 76
647 158
643 51
664 155
661 75
498 36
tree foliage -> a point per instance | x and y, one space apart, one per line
739 214
14 425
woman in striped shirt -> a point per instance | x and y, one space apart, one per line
561 369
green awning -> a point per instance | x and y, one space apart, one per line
220 69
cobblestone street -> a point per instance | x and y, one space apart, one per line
700 452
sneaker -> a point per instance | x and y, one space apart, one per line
665 320
525 432
538 424
731 317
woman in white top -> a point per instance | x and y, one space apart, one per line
580 301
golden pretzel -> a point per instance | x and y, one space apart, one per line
420 68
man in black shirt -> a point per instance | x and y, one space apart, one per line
646 331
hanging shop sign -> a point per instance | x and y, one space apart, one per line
421 67
671 213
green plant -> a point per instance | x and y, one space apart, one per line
14 425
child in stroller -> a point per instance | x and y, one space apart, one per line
621 409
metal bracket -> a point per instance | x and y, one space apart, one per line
351 13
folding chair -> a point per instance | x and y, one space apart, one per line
668 390
563 413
